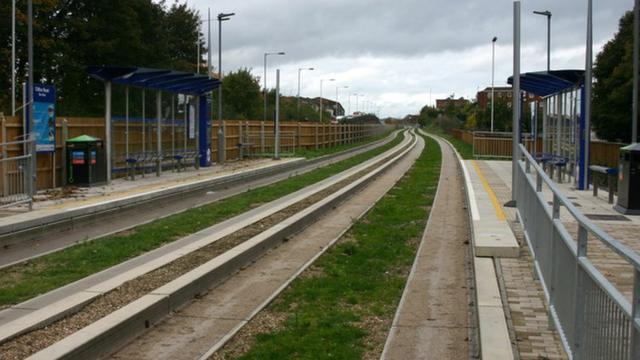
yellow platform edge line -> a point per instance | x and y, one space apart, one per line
492 196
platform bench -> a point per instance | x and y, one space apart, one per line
611 174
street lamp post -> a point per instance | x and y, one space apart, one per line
493 70
280 53
339 87
13 59
547 13
298 106
221 17
209 43
321 81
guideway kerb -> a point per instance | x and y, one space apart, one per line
14 232
281 233
103 336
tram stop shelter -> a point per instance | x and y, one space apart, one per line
192 89
565 139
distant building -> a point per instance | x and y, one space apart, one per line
501 93
442 104
330 106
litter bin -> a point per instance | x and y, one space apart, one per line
629 180
85 161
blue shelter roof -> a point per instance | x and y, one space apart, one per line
157 79
545 83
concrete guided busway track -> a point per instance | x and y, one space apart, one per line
39 235
84 325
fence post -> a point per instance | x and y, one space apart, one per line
33 168
262 137
5 179
299 136
635 316
224 141
240 140
65 136
579 301
316 135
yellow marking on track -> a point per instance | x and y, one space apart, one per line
492 196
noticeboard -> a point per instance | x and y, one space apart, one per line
44 117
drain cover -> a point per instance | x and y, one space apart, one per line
606 217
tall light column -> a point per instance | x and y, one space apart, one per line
636 68
516 99
321 81
339 87
209 70
547 13
493 70
13 59
588 83
221 17
298 106
264 94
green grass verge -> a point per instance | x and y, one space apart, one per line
313 153
357 282
26 280
465 150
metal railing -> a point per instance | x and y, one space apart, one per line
17 173
593 317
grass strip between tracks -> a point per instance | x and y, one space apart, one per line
314 153
342 307
27 280
465 150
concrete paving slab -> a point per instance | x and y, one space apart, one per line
492 235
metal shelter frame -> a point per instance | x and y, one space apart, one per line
565 139
157 80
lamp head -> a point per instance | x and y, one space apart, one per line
495 38
543 13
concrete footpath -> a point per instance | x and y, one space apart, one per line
432 321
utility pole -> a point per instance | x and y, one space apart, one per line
636 68
209 70
516 98
493 68
547 13
13 59
221 17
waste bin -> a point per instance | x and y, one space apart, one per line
629 180
85 161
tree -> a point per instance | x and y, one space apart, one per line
72 34
240 95
612 92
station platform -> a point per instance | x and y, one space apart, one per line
59 205
510 283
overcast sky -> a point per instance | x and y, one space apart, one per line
398 51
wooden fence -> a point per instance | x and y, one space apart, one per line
296 135
601 153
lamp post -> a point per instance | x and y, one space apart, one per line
13 59
350 95
321 81
339 87
209 43
280 53
221 17
493 70
298 106
547 13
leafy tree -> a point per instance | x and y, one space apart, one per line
72 34
612 92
